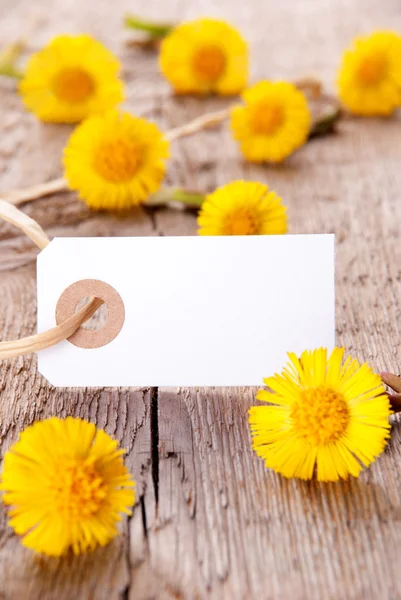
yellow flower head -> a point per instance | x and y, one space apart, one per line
67 486
205 56
273 122
323 415
242 208
115 161
369 79
71 78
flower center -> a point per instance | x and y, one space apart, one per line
209 63
117 160
372 69
73 85
266 117
78 489
321 416
241 222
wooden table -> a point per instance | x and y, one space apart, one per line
210 520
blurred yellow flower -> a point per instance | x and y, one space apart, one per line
71 78
369 79
322 416
205 56
67 486
242 208
273 122
115 161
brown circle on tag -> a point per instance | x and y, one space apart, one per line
66 305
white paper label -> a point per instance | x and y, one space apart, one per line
199 311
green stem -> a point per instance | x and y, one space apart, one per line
8 58
154 29
172 195
189 198
326 124
11 72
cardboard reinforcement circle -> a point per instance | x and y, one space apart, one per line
66 306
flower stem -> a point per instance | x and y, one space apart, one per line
325 124
34 192
394 382
166 196
189 198
325 120
321 125
8 57
203 122
175 197
310 85
153 28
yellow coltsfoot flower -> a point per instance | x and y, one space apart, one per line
205 56
71 78
323 416
273 122
242 208
115 161
66 485
369 79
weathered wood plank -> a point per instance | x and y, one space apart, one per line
26 397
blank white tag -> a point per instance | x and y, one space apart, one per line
199 311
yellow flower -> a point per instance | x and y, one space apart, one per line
324 416
369 79
67 486
205 56
273 122
242 208
71 78
115 161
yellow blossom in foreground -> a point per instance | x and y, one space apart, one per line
67 486
205 56
369 79
273 122
242 208
71 78
115 161
324 416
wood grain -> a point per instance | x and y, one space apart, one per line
211 521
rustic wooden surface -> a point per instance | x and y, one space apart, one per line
210 521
